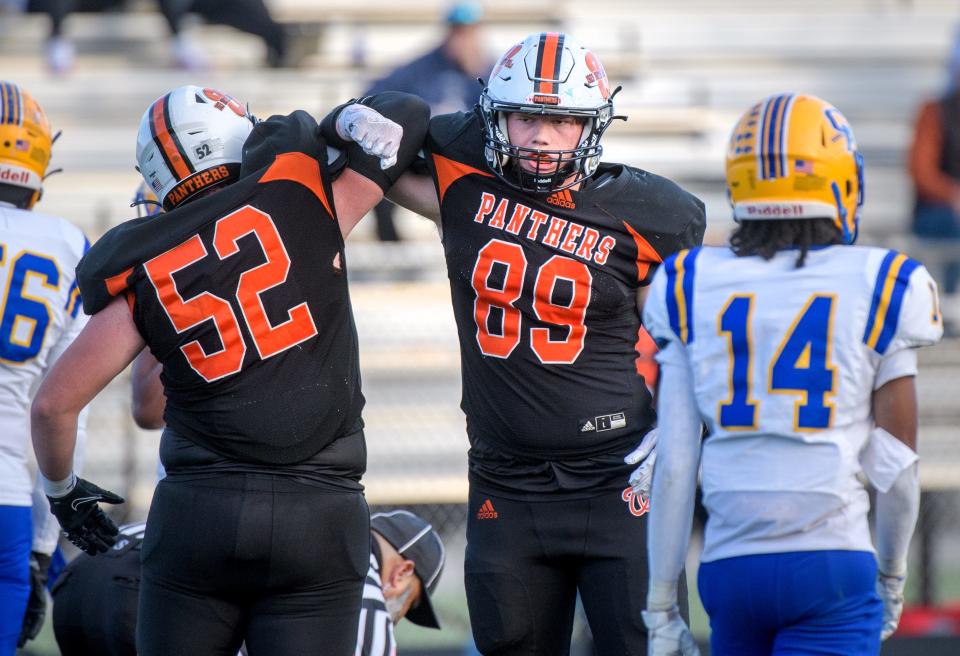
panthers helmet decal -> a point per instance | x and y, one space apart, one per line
548 73
191 140
25 139
794 156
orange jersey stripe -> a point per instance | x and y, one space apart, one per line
298 167
449 171
116 284
647 255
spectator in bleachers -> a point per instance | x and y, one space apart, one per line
445 77
935 171
250 16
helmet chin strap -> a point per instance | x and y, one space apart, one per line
544 182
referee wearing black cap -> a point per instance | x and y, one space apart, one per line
406 558
95 599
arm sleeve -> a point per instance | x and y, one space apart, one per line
674 477
897 364
897 511
405 109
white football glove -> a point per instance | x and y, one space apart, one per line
374 133
890 589
668 634
642 477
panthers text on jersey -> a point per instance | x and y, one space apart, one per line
544 294
783 363
40 315
242 296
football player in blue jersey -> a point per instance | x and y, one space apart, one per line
797 352
39 318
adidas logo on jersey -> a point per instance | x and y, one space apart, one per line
604 423
562 199
486 511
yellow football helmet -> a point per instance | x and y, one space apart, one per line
793 156
25 140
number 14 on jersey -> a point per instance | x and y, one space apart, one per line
801 365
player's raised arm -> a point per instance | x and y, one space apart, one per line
381 135
418 194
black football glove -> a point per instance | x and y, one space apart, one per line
81 519
37 602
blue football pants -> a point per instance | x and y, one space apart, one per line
16 537
793 604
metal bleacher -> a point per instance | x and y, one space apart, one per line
688 68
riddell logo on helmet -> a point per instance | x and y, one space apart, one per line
775 210
13 176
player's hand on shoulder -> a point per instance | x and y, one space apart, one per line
374 133
81 518
890 589
641 480
668 634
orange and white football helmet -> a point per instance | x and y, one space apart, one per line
548 73
793 156
25 140
191 140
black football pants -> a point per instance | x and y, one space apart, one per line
256 558
526 561
95 604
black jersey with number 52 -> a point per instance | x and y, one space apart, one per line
544 293
242 296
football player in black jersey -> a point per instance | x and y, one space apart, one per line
548 251
239 291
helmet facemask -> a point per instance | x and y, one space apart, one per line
548 74
575 164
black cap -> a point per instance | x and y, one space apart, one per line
415 540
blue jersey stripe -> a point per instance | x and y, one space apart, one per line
892 318
673 312
877 292
689 270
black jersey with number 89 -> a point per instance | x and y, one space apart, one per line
545 296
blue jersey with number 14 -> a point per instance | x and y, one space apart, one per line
783 363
